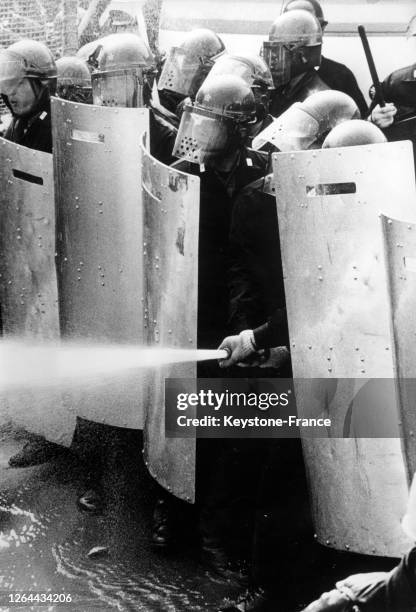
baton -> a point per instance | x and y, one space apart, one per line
370 61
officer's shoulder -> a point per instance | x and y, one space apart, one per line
330 65
402 74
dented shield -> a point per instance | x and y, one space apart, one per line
97 160
28 288
170 251
329 202
400 249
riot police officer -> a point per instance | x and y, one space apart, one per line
27 80
334 74
292 53
123 74
255 72
185 69
74 80
258 320
211 143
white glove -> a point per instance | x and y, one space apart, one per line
383 116
240 348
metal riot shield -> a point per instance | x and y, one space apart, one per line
400 249
403 130
28 290
171 222
329 201
97 160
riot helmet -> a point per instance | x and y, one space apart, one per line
123 71
294 46
26 65
305 124
187 65
313 6
254 71
87 51
353 133
218 122
74 80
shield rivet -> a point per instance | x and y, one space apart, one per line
310 347
320 278
190 340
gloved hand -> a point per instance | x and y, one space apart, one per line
352 594
334 601
383 116
240 347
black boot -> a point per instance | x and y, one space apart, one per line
36 452
162 529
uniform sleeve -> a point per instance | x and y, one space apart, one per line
384 592
243 289
274 332
353 90
162 139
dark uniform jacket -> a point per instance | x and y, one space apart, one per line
218 192
34 132
162 137
297 90
400 88
257 299
339 77
331 75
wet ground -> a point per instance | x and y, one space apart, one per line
45 538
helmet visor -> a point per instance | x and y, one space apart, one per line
12 72
182 74
244 69
202 135
278 58
119 88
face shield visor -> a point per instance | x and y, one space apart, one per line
12 72
287 59
118 88
294 130
182 74
204 135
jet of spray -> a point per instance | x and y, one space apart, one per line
23 364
